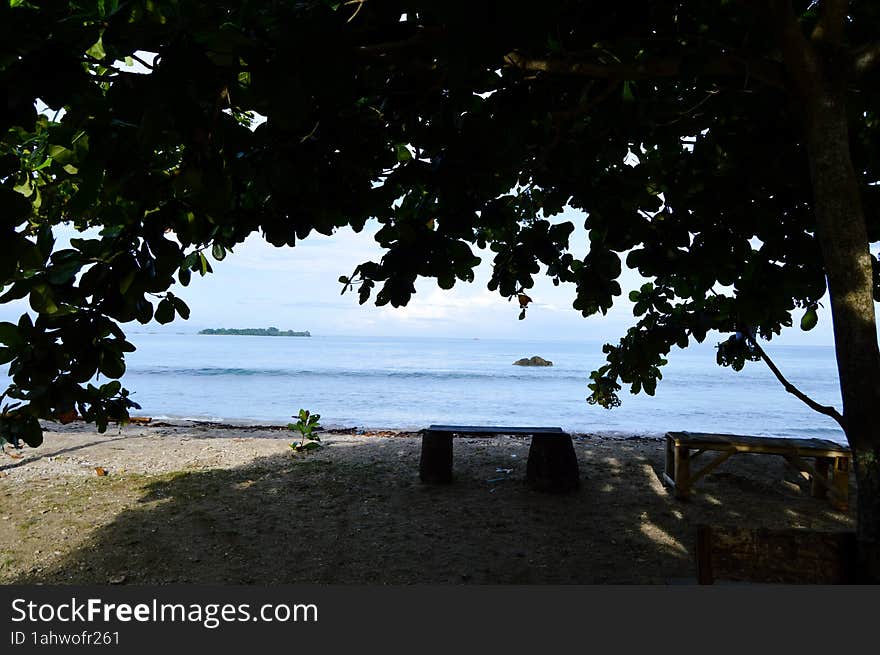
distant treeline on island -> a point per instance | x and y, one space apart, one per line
256 332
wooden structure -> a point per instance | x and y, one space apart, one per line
829 474
552 465
787 556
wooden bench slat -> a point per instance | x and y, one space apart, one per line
489 430
767 445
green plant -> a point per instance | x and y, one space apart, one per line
307 426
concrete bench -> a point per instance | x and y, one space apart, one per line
552 465
829 475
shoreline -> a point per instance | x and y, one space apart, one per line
257 424
611 434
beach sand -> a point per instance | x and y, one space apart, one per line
189 502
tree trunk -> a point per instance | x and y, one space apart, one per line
842 234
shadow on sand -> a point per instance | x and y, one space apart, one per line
341 518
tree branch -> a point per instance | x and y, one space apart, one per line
424 36
730 65
668 67
790 388
800 59
832 21
141 61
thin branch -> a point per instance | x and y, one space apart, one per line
668 67
141 61
419 38
790 388
764 70
359 3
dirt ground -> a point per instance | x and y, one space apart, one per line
205 503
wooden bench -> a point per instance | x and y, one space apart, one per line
552 465
829 475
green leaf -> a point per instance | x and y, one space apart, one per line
31 432
402 152
204 266
181 308
218 251
112 365
184 276
10 335
143 311
64 273
7 355
165 311
809 319
97 50
110 389
41 299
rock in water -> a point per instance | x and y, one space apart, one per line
533 361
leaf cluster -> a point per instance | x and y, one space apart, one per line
308 427
453 126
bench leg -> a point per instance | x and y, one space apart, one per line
817 489
682 472
435 464
552 464
840 483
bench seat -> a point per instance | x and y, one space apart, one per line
828 475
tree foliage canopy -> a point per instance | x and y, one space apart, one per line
452 124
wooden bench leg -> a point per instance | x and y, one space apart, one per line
840 483
435 464
552 464
817 489
682 472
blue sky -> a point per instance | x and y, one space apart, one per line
259 285
297 288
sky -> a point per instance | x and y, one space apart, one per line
297 288
259 285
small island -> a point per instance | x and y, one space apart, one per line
255 332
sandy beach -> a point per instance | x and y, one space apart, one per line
188 502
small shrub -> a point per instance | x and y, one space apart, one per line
307 426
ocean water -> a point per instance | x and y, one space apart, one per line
412 382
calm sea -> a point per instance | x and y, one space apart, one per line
412 382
